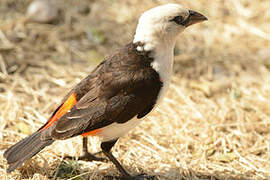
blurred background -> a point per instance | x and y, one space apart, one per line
213 124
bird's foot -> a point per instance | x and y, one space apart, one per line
136 177
86 156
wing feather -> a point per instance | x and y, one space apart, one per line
120 88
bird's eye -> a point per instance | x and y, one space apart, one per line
178 20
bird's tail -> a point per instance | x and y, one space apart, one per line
20 152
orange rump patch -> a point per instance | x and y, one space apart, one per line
91 133
67 105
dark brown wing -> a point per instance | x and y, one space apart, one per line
122 87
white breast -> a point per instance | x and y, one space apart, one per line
163 64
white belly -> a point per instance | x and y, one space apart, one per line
116 130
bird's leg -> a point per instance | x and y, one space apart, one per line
86 156
106 148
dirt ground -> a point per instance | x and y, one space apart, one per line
213 124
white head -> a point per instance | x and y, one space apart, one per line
161 25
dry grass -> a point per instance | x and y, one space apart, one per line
213 124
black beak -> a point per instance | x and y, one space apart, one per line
195 17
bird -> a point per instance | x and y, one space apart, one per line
122 90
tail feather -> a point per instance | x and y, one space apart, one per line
20 152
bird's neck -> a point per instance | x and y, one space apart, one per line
163 64
161 48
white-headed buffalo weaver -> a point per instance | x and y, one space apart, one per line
119 92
